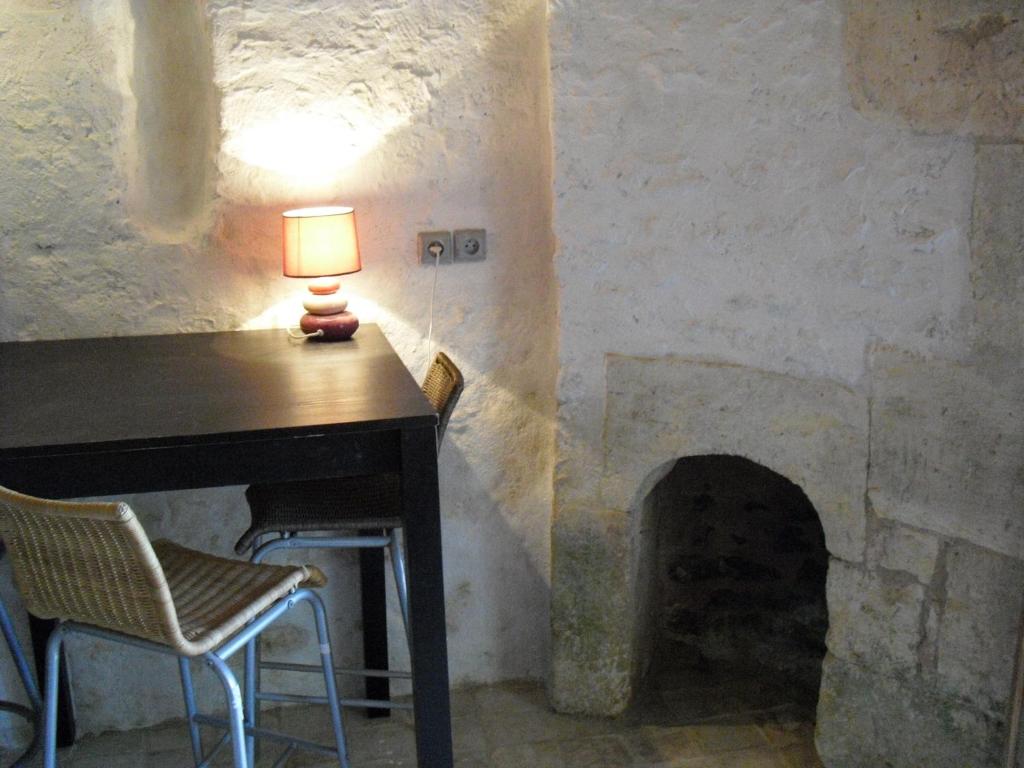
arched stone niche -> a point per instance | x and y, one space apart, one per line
731 610
813 432
173 116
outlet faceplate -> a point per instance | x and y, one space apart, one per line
470 244
424 241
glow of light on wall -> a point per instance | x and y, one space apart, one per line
281 314
309 149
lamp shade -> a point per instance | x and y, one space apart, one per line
320 241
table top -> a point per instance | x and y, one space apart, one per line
150 391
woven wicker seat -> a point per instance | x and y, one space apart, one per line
370 501
91 567
346 505
215 597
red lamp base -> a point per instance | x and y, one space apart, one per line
334 327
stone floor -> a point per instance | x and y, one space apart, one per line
511 726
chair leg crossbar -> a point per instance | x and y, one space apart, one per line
240 722
288 698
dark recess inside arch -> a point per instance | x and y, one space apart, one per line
737 611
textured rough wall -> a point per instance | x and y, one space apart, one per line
422 115
825 190
717 195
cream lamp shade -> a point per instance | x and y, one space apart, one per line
320 241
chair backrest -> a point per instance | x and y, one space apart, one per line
89 562
443 385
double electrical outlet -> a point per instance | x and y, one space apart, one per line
461 245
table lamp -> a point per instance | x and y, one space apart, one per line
321 243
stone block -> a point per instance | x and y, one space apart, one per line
997 242
592 616
874 618
904 549
947 450
813 432
997 226
978 631
941 66
871 720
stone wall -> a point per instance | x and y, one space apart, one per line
787 230
148 149
828 193
811 432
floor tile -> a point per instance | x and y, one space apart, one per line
498 726
663 746
715 737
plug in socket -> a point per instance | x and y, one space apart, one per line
470 244
425 239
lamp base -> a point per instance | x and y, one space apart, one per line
333 327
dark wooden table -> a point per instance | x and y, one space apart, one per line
100 417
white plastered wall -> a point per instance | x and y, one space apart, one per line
425 115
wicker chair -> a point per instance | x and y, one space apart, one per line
344 506
91 567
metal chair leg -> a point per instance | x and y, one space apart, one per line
33 712
401 579
53 646
250 686
327 662
187 689
236 720
252 676
24 672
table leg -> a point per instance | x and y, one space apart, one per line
40 630
422 518
375 622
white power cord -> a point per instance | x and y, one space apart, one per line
437 249
296 333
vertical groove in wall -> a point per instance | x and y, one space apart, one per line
176 118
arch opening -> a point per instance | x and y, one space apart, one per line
732 614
